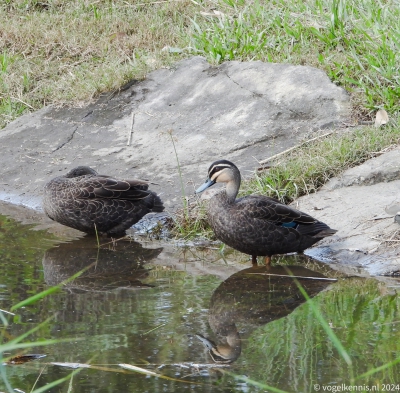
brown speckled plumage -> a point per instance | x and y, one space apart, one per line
257 225
89 202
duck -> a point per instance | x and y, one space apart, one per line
257 225
98 204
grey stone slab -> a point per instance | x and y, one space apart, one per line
368 238
381 169
244 112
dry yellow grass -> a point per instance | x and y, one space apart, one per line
58 52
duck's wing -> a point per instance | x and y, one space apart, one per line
110 188
270 209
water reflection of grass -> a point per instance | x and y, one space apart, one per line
297 351
21 248
9 344
291 353
20 251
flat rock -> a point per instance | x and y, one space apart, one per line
244 112
361 205
381 169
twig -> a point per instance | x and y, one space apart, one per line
379 218
152 330
390 240
73 64
7 312
22 102
151 3
32 158
190 364
37 379
290 276
293 148
385 240
113 241
131 130
184 199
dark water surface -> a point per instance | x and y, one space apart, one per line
182 312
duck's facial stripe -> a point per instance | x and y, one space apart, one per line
214 176
216 169
222 176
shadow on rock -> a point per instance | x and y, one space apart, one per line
115 265
255 297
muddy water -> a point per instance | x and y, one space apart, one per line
209 323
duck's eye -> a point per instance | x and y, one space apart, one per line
218 169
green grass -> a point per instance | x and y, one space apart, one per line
305 170
15 345
191 222
357 43
362 315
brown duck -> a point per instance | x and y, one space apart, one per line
257 225
84 200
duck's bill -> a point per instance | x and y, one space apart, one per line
207 343
204 186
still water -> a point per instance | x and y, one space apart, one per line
209 323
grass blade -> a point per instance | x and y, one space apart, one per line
254 383
141 370
49 291
26 334
336 342
377 369
55 383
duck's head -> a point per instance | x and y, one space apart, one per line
222 171
226 352
80 171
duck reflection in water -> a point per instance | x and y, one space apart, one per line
254 297
120 266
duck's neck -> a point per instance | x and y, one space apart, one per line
232 188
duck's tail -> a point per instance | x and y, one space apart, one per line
318 230
325 233
158 205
